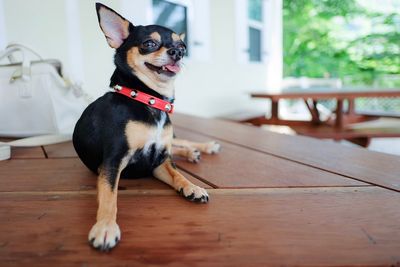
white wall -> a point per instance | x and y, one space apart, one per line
68 30
220 86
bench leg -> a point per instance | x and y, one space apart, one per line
339 114
274 109
312 108
361 141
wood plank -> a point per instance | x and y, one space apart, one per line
327 93
289 227
358 163
61 150
326 131
239 167
65 174
379 114
27 153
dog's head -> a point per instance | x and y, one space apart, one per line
152 53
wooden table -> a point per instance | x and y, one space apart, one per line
276 200
338 127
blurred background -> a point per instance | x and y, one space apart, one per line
234 47
227 58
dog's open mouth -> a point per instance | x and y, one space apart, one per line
168 69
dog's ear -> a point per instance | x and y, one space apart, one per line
113 25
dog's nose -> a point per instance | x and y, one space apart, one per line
175 53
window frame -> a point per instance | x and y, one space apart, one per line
243 23
188 4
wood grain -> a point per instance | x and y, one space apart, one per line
67 174
335 227
358 163
288 202
27 153
325 93
242 167
326 131
62 150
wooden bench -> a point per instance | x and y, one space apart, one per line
360 134
338 126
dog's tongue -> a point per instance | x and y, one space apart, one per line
173 68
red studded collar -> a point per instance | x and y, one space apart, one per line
144 98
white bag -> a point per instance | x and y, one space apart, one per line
36 100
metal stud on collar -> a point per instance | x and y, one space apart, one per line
133 93
168 107
118 87
152 101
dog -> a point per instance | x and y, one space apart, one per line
128 132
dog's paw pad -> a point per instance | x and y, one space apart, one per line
194 156
194 193
104 235
213 147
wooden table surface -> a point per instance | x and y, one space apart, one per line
327 93
276 200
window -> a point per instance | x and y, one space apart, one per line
252 35
259 36
173 15
191 17
255 22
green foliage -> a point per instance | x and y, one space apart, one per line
316 45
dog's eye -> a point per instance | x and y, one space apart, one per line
150 44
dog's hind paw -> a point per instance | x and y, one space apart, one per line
213 147
194 193
104 235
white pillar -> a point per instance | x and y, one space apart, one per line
3 32
75 55
273 9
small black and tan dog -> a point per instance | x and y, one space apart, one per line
117 135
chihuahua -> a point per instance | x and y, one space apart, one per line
127 132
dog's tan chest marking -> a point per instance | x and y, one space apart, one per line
142 136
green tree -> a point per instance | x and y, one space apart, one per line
313 47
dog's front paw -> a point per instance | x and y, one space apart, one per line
104 235
194 193
193 155
212 147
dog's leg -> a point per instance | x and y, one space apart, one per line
191 154
105 234
208 147
168 173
